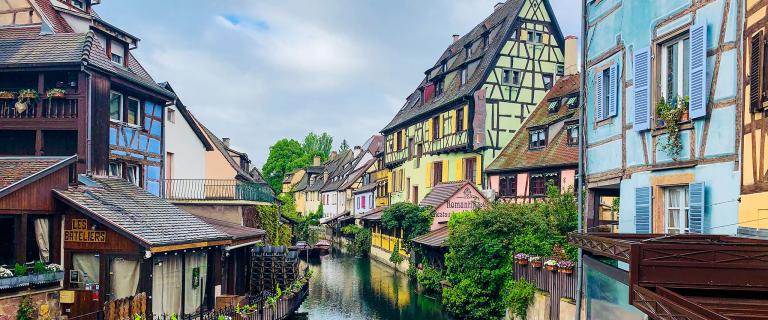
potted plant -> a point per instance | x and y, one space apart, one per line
42 273
669 114
565 266
55 93
522 259
551 265
535 262
25 96
7 95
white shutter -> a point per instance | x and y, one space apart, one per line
599 113
613 99
642 79
698 75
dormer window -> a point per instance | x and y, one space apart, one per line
467 52
463 76
117 52
572 102
80 4
537 139
553 106
439 88
573 135
443 67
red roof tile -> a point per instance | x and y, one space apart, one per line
16 169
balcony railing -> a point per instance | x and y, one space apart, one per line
66 108
216 190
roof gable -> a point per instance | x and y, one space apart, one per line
17 172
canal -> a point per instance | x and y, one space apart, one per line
347 287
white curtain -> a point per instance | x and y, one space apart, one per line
41 236
88 265
194 292
125 278
166 285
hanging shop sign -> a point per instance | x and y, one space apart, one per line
81 233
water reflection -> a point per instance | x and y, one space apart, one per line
345 287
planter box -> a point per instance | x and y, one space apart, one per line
46 277
14 282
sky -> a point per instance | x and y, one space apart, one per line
257 71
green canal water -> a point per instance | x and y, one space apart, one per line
347 287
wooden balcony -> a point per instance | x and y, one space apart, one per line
394 158
448 143
688 276
66 108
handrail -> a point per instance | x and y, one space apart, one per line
217 189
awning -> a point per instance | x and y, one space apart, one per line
435 238
331 219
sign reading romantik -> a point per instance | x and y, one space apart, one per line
81 233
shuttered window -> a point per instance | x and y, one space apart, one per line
696 198
756 56
613 91
698 76
606 93
642 99
643 210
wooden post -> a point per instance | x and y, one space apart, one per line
39 143
21 239
40 93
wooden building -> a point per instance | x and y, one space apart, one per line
473 99
92 98
120 240
545 150
753 205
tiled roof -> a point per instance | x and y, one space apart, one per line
502 18
436 238
357 174
441 193
57 22
373 215
238 232
366 188
517 155
16 171
132 211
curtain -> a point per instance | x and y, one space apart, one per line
166 285
88 266
125 278
41 236
194 285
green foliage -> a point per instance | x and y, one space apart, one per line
361 239
479 263
671 113
395 257
287 155
318 145
429 280
410 218
344 146
39 267
137 317
268 220
19 270
26 309
519 296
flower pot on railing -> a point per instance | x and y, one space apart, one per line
565 270
535 262
565 266
55 93
550 265
522 259
7 95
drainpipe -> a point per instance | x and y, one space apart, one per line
580 174
89 142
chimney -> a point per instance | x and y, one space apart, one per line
333 155
497 6
226 142
316 161
356 151
456 37
571 55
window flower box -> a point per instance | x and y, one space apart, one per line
550 265
14 282
46 278
535 262
522 259
565 266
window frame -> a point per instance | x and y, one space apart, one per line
137 172
551 77
171 115
119 108
572 142
437 175
460 120
470 169
508 186
118 166
128 111
436 128
683 56
511 77
539 144
464 76
683 211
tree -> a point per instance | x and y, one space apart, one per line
318 145
284 156
408 217
344 146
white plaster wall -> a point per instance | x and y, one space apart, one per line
188 151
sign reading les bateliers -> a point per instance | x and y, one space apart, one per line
81 233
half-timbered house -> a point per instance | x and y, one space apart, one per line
91 98
474 99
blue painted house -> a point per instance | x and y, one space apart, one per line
650 168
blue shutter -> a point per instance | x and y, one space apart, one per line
642 82
599 113
613 101
698 77
643 210
696 207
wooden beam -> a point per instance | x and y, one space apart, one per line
193 245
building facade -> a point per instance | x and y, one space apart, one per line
474 99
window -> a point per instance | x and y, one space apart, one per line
399 140
539 183
548 81
115 169
443 67
553 106
117 52
460 120
439 88
573 135
171 115
675 66
447 124
169 165
572 101
437 173
535 37
470 169
435 128
538 139
133 111
80 4
467 52
132 175
510 77
115 106
463 76
560 69
508 186
362 200
757 86
676 210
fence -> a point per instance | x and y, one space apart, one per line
217 189
557 284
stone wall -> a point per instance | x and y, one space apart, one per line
383 257
45 303
540 309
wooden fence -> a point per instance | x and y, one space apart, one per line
557 284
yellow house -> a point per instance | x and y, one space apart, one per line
753 208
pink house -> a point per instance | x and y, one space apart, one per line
449 198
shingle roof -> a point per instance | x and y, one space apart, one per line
238 232
373 215
16 172
517 155
149 220
368 187
436 238
357 174
499 26
441 193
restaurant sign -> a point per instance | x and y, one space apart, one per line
81 233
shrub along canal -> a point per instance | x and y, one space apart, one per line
347 287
